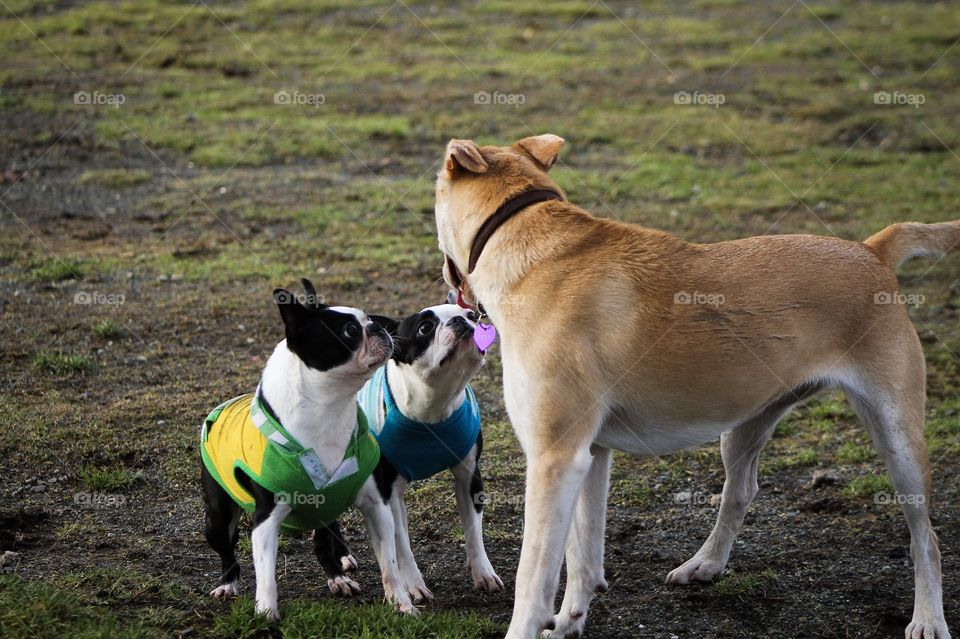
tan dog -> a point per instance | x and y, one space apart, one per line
652 345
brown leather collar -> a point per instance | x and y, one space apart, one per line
507 210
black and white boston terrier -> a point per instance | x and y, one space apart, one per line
297 452
426 419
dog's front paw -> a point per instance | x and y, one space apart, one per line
419 593
567 626
696 569
927 629
400 600
271 612
348 563
224 591
343 586
484 577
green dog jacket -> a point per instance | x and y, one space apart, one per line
241 434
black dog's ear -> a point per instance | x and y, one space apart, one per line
292 312
313 300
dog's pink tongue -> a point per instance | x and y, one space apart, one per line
484 335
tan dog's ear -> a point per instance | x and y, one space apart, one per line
545 148
465 154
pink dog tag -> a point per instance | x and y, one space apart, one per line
484 335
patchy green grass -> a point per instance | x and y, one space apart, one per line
744 585
868 486
106 479
310 619
56 269
60 363
107 329
115 178
853 453
42 611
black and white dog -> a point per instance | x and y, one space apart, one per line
426 419
297 452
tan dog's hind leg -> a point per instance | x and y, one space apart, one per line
584 552
893 412
740 450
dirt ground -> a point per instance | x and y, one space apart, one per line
139 244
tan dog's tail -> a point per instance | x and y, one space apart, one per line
899 242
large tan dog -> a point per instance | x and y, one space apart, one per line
650 344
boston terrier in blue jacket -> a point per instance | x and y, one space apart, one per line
426 418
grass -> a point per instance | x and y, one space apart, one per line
868 486
744 585
107 329
41 611
115 178
251 194
106 479
60 363
301 619
57 270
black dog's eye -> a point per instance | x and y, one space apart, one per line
471 316
425 328
351 330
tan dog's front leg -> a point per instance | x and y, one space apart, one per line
584 552
554 479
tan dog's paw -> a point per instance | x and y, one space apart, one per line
929 629
696 569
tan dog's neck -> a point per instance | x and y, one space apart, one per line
465 200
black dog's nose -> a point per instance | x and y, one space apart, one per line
460 326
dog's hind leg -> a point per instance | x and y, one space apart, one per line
584 551
740 450
334 556
893 412
222 516
468 485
